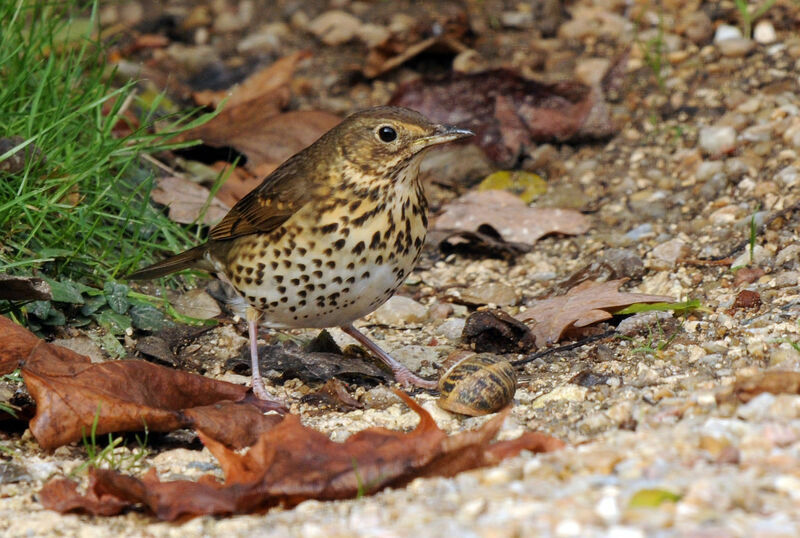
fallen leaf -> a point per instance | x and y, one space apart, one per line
240 182
508 112
292 463
332 394
510 216
70 392
587 303
746 300
186 201
263 83
383 59
24 288
652 498
483 242
262 135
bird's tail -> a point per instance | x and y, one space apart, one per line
194 257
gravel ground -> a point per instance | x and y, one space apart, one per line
654 449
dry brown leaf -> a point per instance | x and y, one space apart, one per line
380 61
186 201
510 216
509 112
70 391
275 76
292 463
587 303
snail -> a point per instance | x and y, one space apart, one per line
477 385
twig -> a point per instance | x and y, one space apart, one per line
568 347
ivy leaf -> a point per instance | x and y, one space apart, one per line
55 318
65 292
40 309
148 318
112 322
117 296
92 305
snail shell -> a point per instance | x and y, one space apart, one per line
477 385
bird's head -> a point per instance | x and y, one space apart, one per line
384 139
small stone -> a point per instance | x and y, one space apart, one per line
469 61
420 359
267 39
227 22
568 393
451 328
789 176
666 255
725 32
735 48
764 32
699 28
785 279
516 19
197 304
707 169
759 256
11 473
373 35
335 27
399 311
495 293
757 408
380 397
788 255
725 215
591 71
82 345
717 140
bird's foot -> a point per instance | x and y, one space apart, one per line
403 375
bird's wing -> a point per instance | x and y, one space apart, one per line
280 195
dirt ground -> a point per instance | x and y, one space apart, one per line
694 196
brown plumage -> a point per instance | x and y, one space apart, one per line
329 235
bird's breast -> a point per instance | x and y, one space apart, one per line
331 264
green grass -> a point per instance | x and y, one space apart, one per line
748 16
83 211
112 455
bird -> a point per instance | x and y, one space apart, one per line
329 235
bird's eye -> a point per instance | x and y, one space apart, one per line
386 133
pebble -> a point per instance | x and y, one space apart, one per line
699 28
451 329
399 310
373 35
707 169
335 27
789 176
82 345
592 70
666 255
787 255
495 293
420 359
735 48
758 408
764 32
197 304
717 140
759 256
725 32
568 393
640 232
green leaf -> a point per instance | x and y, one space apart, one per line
652 498
93 304
110 343
40 309
65 292
148 318
113 322
55 318
686 306
117 296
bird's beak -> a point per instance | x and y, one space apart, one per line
442 135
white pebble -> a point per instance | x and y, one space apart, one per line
717 140
726 31
764 33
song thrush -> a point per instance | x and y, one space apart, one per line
329 235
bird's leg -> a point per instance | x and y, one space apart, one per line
252 328
403 375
